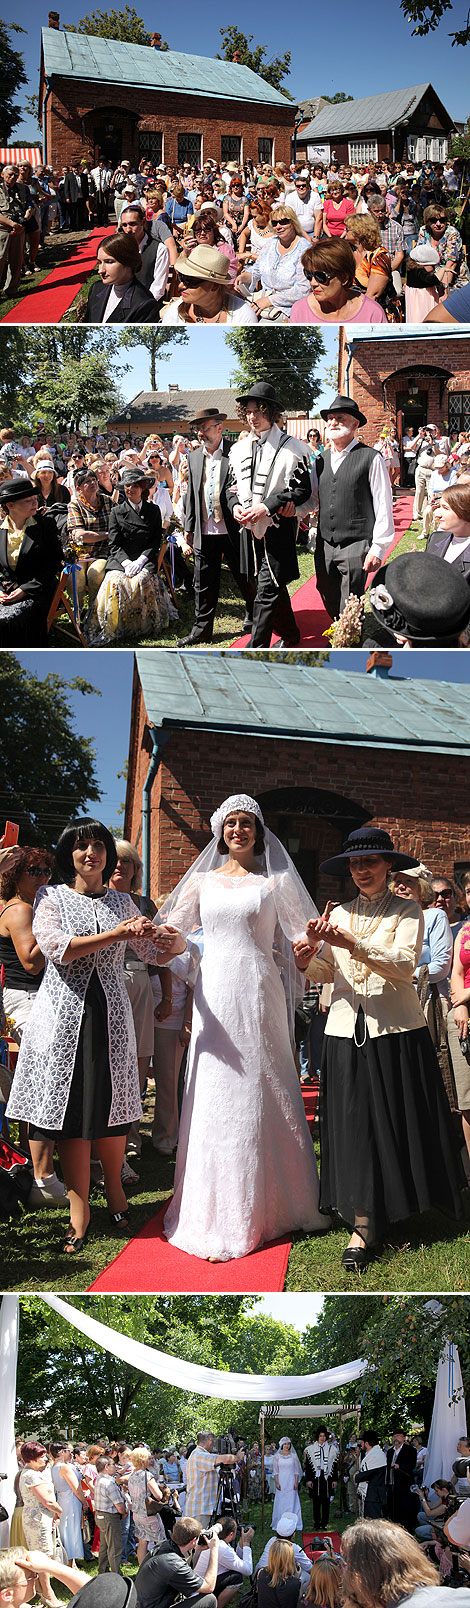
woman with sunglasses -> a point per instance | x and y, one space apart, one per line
278 269
436 230
207 295
23 966
205 232
329 266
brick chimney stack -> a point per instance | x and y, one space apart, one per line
156 41
379 664
237 57
54 19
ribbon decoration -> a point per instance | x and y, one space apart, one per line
71 569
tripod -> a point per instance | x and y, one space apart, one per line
226 1500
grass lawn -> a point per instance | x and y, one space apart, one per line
428 1253
57 249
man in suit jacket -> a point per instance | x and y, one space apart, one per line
30 562
101 179
355 519
210 527
402 1503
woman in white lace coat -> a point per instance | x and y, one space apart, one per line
77 1076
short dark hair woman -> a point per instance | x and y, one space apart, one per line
388 1146
30 564
333 298
76 1079
121 298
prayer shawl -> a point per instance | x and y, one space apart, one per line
313 1460
282 475
374 1459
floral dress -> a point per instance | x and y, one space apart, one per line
147 1528
37 1522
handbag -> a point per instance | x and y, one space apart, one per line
88 1527
151 1504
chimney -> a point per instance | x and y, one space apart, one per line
54 19
156 41
236 56
172 388
379 664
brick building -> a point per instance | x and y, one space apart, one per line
407 378
103 97
323 751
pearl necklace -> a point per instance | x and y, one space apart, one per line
364 926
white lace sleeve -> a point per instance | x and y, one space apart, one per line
48 931
185 915
143 948
292 913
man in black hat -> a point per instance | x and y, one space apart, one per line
355 520
210 527
270 480
30 562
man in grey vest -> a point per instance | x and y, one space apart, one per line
355 520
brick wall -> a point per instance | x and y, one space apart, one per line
375 360
421 799
74 108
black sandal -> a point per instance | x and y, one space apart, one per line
73 1243
356 1257
120 1220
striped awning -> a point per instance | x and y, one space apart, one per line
300 427
21 153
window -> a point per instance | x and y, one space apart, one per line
189 149
150 146
231 148
362 151
459 410
265 149
427 147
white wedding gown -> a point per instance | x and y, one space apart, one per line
287 1470
246 1170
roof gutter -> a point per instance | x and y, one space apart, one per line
349 739
159 739
44 107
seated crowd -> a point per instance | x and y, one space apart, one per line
300 244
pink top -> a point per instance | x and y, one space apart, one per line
369 313
336 216
464 955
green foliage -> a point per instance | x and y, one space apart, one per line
125 25
60 374
402 1339
287 656
460 145
31 106
12 76
158 342
272 71
427 14
285 357
86 391
48 772
337 100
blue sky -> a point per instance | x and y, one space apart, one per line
106 719
361 53
209 364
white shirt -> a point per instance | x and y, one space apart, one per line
381 493
228 1559
299 1555
438 482
163 501
161 269
455 548
212 526
115 296
238 312
459 1525
305 210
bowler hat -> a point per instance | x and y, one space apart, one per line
260 392
344 404
14 490
364 841
421 597
205 415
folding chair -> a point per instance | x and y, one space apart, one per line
164 568
61 602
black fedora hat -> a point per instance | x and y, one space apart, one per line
364 841
205 416
17 488
344 404
421 597
262 391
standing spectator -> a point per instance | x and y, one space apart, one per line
12 231
202 1476
110 1508
101 176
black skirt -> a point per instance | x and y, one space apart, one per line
89 1101
388 1145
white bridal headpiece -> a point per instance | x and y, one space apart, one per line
237 801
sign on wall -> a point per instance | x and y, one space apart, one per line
318 153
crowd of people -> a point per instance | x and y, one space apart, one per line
301 243
179 1512
100 984
129 524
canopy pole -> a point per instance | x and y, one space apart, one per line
262 1472
341 1470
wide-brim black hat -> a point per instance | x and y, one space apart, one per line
344 404
135 477
262 391
17 488
364 841
106 1591
205 416
429 601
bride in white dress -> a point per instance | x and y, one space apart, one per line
287 1473
246 1171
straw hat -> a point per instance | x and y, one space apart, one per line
205 262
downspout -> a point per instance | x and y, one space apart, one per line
159 738
44 107
350 347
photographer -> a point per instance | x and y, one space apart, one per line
201 1477
234 1561
438 1509
170 1571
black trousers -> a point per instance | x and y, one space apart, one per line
102 206
272 611
321 1503
339 572
207 571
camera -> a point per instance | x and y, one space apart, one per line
461 1467
206 1535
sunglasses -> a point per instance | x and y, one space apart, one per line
40 871
319 275
190 284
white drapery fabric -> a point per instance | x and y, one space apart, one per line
449 1419
204 1381
9 1315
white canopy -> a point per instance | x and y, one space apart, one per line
449 1419
205 1381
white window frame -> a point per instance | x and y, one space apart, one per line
362 151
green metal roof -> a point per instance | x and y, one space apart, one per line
225 692
86 57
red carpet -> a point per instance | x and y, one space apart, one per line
149 1263
55 293
312 1535
310 613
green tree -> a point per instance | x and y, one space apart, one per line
403 1338
427 14
64 373
12 76
236 43
287 358
80 391
13 368
338 98
31 106
48 771
158 342
125 25
287 656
